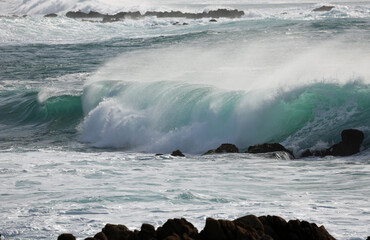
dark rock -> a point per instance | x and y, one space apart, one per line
109 19
250 221
323 9
116 232
147 232
100 236
177 229
176 23
66 236
228 230
248 227
173 14
225 13
278 228
306 153
185 23
268 147
223 148
177 153
350 144
159 154
51 15
227 148
213 20
80 14
368 238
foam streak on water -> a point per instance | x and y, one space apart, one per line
48 192
84 106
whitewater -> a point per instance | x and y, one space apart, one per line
85 106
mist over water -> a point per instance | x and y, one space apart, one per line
84 107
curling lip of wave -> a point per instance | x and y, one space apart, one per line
163 116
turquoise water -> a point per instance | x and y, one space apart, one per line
85 106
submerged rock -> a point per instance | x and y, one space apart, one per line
51 15
177 153
323 9
213 20
350 144
268 147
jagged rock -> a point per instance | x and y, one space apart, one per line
268 147
173 14
225 13
66 236
147 232
350 144
223 148
116 232
177 229
177 153
279 229
228 230
227 148
80 14
248 227
323 9
100 236
51 15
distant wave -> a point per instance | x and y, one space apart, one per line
23 108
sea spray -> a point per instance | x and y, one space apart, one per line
162 116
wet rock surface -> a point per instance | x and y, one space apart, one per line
248 227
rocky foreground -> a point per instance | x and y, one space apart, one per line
248 227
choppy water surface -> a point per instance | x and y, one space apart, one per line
48 192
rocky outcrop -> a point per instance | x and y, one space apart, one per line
323 9
51 15
269 147
219 13
248 227
177 229
66 236
224 148
350 144
177 153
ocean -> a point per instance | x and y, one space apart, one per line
85 106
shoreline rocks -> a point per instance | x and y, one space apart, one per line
248 227
219 13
